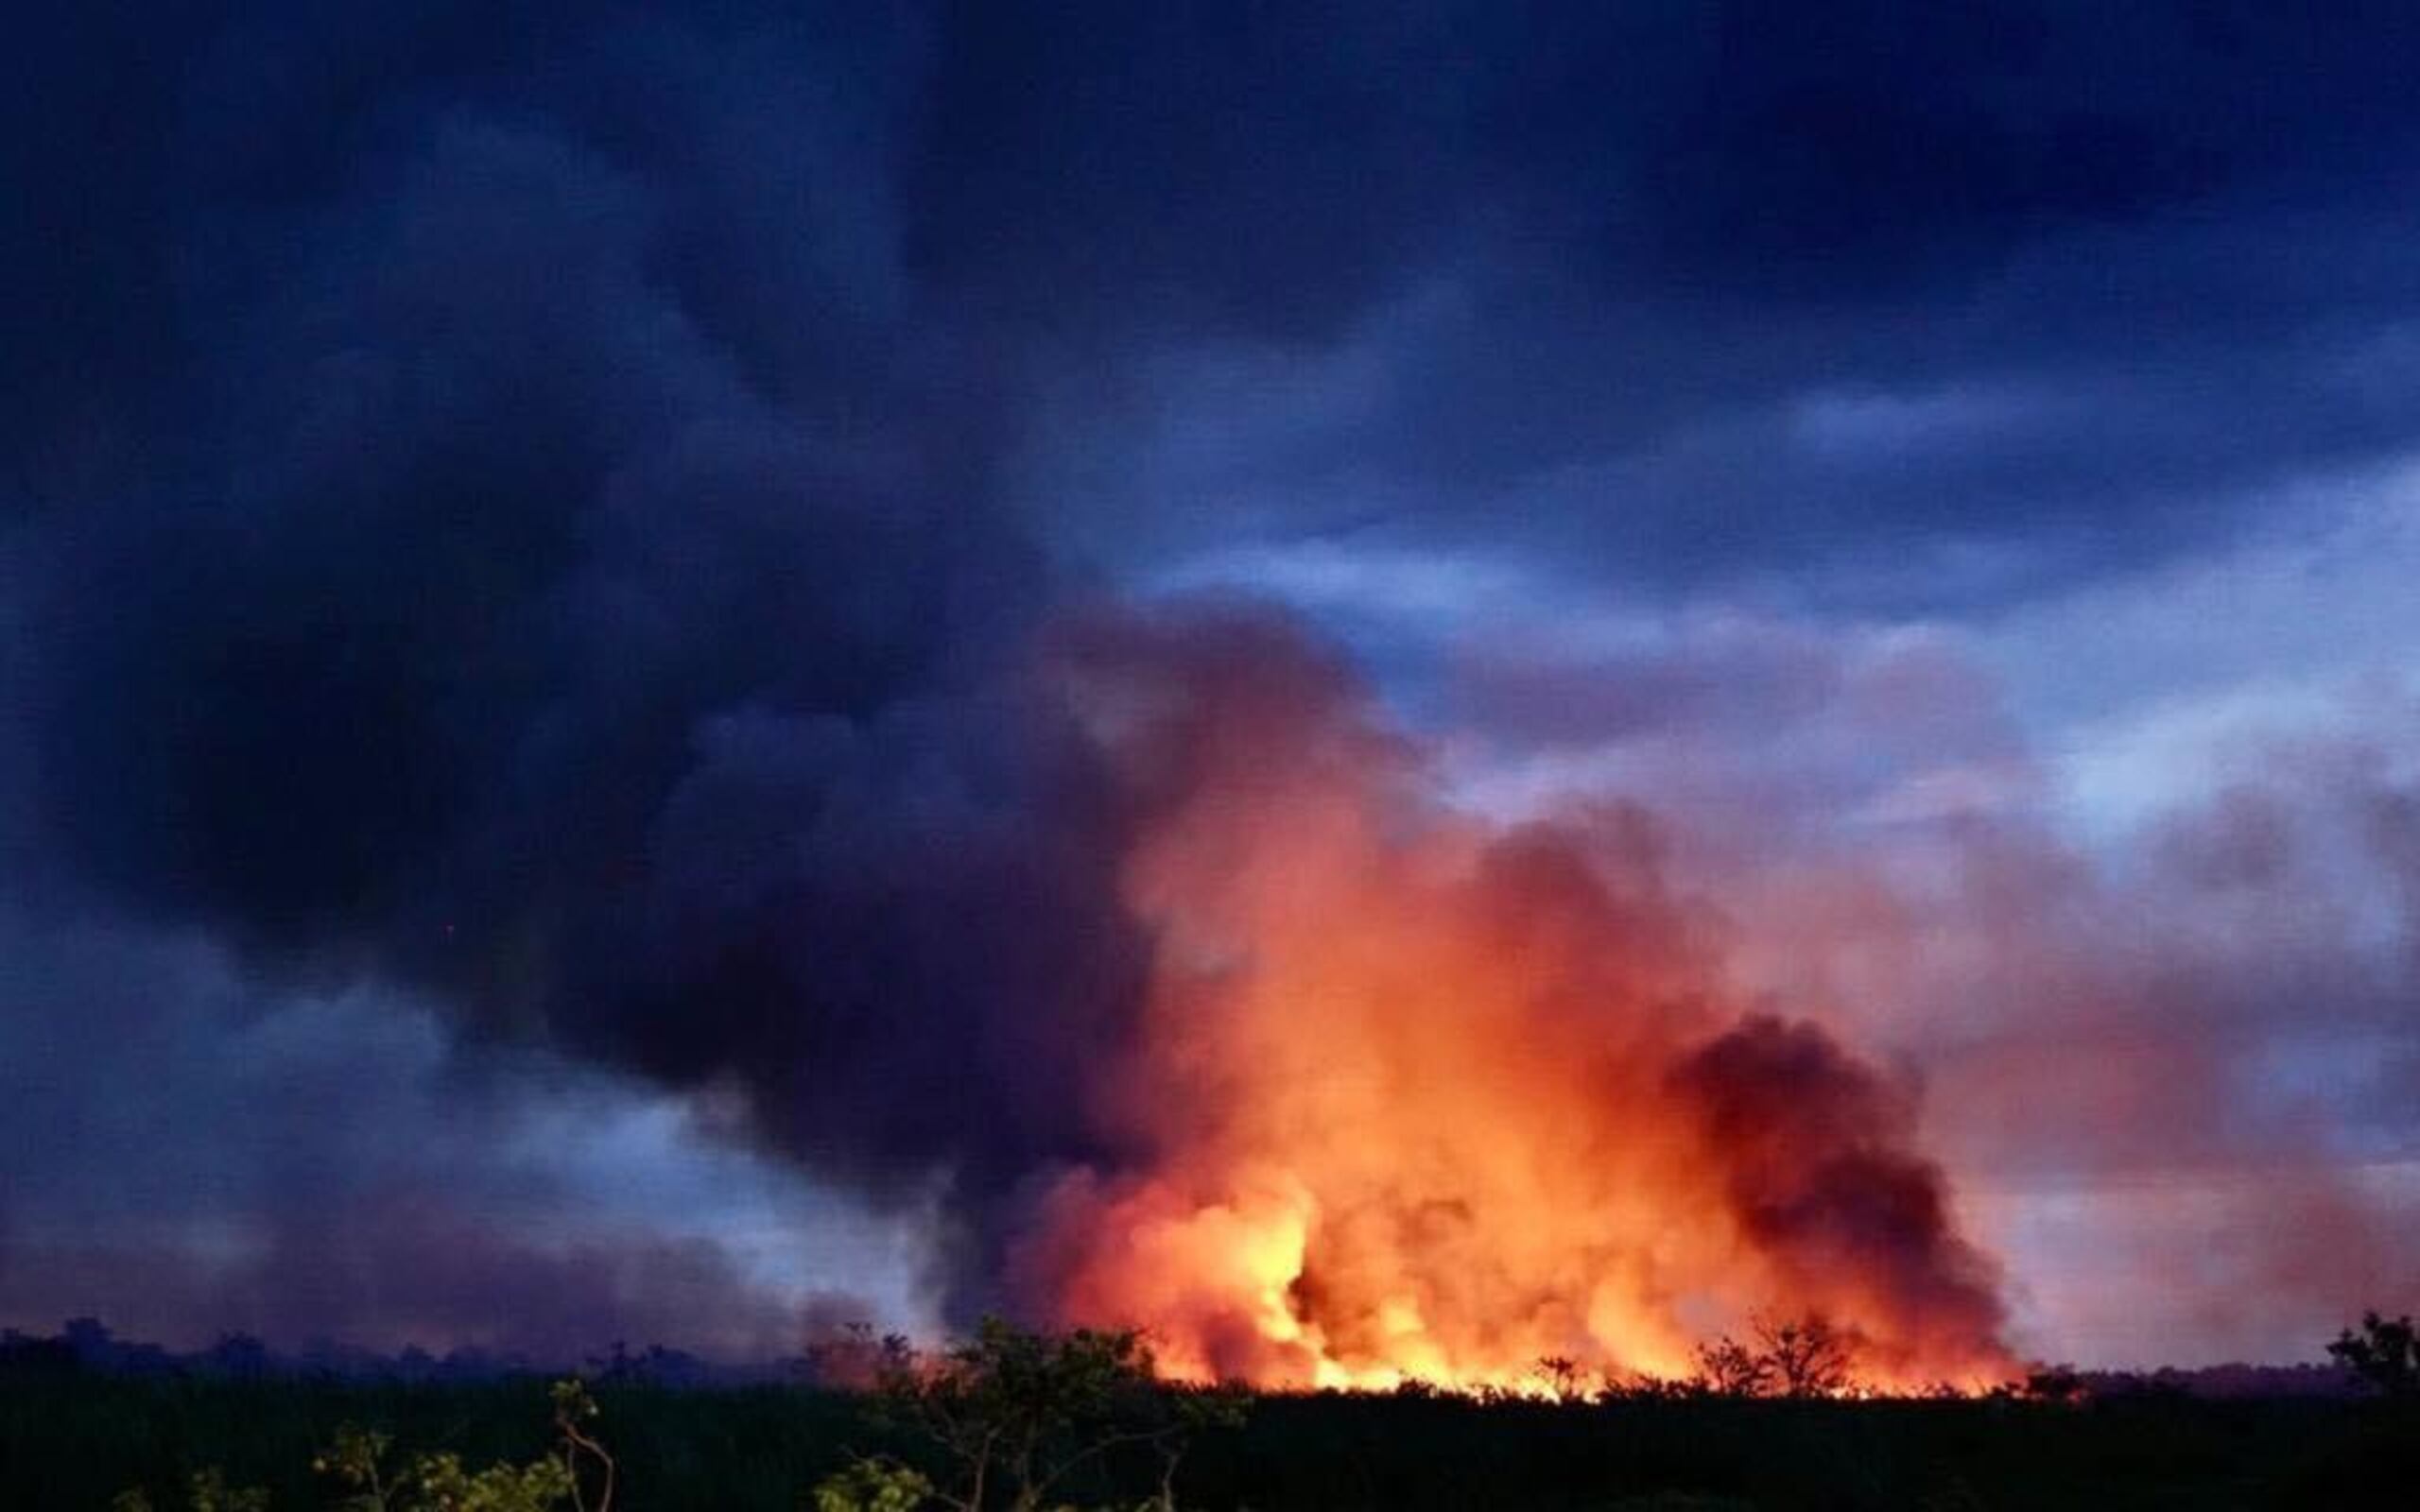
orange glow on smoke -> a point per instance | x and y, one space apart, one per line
1423 1096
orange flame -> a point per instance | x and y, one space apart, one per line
1424 1096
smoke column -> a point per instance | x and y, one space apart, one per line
1418 1094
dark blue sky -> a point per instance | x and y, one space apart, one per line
522 527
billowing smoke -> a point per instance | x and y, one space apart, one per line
1421 1094
2161 1056
526 655
552 516
555 568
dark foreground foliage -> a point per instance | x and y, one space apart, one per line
71 1439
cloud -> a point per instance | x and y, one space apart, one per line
1645 249
1575 283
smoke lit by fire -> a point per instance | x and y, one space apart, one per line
1421 1094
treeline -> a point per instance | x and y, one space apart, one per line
1023 1421
88 1344
843 1359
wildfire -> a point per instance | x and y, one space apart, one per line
1423 1096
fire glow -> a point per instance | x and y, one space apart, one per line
1423 1095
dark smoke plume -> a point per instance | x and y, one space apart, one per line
547 559
1824 1175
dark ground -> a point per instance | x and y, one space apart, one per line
71 1439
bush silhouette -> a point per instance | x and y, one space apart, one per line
2385 1354
1026 1415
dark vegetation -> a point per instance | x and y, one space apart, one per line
1022 1421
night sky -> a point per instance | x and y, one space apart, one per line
535 806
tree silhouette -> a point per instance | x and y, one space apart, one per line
1809 1357
1027 1413
1804 1356
2385 1354
1727 1367
1564 1378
